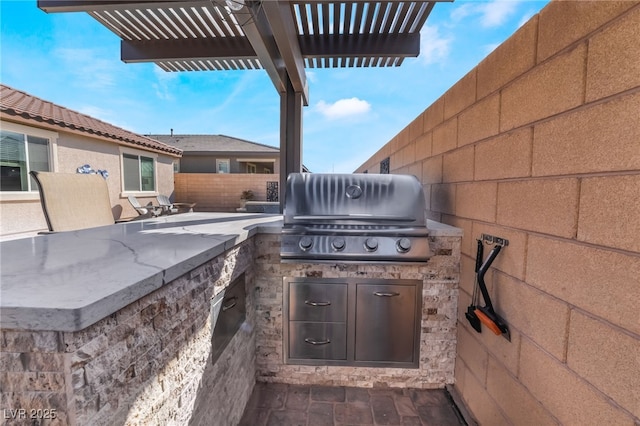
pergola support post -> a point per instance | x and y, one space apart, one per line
290 136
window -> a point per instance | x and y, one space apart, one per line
21 153
176 166
139 173
223 166
251 168
385 166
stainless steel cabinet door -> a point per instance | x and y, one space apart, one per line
385 322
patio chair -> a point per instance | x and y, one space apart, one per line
172 208
147 211
73 201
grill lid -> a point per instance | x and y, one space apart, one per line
348 199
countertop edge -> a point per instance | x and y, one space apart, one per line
77 318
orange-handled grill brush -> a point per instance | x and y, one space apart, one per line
488 322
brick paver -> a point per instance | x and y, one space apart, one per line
297 405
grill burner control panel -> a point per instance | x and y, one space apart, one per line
355 247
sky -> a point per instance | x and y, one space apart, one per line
72 60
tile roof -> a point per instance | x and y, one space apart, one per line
32 109
215 143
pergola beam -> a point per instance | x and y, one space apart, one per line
360 45
337 45
55 6
284 32
260 36
194 49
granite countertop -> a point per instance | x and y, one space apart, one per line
69 280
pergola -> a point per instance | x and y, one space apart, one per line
283 37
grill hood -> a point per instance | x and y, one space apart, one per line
351 199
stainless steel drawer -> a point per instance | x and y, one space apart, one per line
317 302
314 340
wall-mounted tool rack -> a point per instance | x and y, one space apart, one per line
494 240
486 315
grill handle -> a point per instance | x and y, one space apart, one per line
233 301
310 303
317 342
386 294
351 216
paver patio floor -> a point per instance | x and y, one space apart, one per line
274 404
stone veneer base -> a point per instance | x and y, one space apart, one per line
148 363
440 277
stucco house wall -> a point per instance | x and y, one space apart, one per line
21 212
540 144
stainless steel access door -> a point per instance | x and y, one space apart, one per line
385 323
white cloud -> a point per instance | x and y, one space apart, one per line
163 83
88 69
461 12
496 13
343 108
312 76
491 13
433 47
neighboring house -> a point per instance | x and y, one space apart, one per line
216 170
38 135
222 154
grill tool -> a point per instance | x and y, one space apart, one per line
486 314
475 299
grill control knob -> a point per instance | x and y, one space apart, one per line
305 243
403 245
371 244
338 243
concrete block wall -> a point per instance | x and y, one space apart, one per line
220 192
540 144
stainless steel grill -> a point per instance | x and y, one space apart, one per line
354 218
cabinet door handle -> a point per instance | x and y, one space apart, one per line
310 303
317 342
386 294
233 301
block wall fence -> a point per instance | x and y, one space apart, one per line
540 144
220 192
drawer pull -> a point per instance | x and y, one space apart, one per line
317 342
386 294
310 303
233 300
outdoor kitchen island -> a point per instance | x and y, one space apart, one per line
113 325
